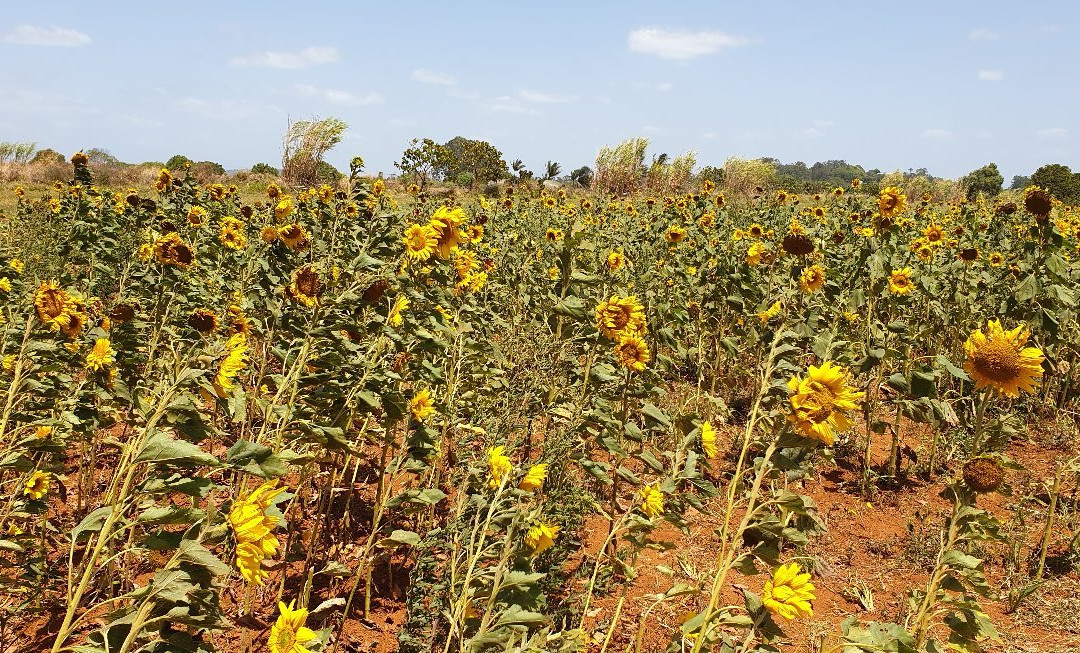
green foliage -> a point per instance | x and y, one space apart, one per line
424 160
479 158
582 176
178 162
1059 180
264 169
986 181
49 157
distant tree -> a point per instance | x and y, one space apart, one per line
1020 182
582 176
48 156
519 169
551 170
17 152
264 169
210 167
986 180
480 158
306 143
1059 180
326 173
423 160
465 179
178 162
102 156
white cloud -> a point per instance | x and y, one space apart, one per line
425 76
813 132
545 98
507 104
1053 134
313 56
823 124
681 45
336 96
983 34
664 87
938 135
991 75
49 36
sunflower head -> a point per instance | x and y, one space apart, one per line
306 286
900 282
620 315
999 360
983 474
812 279
632 352
203 320
797 244
1037 201
891 201
820 401
789 592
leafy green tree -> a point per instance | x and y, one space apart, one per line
519 169
210 167
582 176
326 173
49 156
424 160
178 162
264 169
1059 180
480 158
1020 182
986 180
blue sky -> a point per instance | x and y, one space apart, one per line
945 85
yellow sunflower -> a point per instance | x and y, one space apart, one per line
812 279
998 359
652 501
619 315
289 634
499 466
900 281
891 201
422 406
789 592
632 352
819 401
541 537
232 233
420 242
294 236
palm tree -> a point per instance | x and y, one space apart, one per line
553 170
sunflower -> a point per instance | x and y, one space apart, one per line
475 233
968 254
232 233
781 197
838 192
269 234
420 242
203 320
756 231
196 216
77 317
797 243
707 220
445 222
52 305
306 286
996 259
238 322
769 313
619 315
818 402
1037 201
464 262
652 501
37 486
170 249
553 235
756 253
253 529
818 212
891 201
164 180
541 537
812 279
101 356
789 592
934 234
900 281
708 440
422 406
631 352
235 361
615 260
499 466
675 234
294 236
534 478
289 634
999 360
396 316
283 208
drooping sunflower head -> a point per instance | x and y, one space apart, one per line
968 254
171 250
422 405
1037 201
620 315
652 501
203 320
891 201
900 282
541 536
983 474
797 244
789 592
306 286
999 360
294 236
52 304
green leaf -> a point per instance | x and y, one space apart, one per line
255 459
160 448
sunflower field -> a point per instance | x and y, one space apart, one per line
361 418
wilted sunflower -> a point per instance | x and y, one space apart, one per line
1037 201
203 320
294 236
983 474
232 233
541 537
306 286
797 244
891 201
268 234
619 315
999 360
812 279
652 501
789 592
632 352
170 249
196 216
420 242
968 254
238 322
422 406
819 401
900 282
